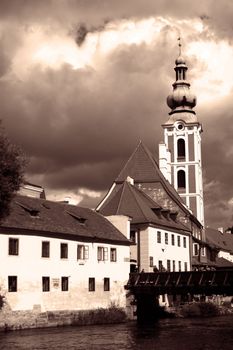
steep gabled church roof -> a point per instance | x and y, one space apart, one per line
129 200
143 167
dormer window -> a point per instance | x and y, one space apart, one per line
34 212
157 211
80 219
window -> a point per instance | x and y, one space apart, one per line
102 253
178 241
113 254
166 238
45 284
64 250
168 265
195 249
184 242
158 237
202 251
160 265
181 148
179 265
45 249
106 284
173 265
133 237
64 284
173 239
151 261
91 284
82 252
181 179
185 266
13 248
12 283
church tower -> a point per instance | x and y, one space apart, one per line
180 155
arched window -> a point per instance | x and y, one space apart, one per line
181 179
181 148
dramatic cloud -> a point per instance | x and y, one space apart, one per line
82 81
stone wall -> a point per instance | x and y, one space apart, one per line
15 320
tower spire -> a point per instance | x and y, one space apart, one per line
182 136
181 99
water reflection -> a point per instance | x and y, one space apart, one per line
176 334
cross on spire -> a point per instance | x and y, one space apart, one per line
180 45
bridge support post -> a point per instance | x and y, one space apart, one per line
147 308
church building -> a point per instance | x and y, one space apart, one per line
173 182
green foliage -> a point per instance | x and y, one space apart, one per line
11 172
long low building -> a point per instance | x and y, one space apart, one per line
56 256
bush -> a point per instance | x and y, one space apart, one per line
99 316
2 301
204 309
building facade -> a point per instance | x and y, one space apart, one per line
159 242
61 257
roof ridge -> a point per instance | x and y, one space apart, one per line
121 196
136 199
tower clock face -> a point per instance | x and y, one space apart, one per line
180 126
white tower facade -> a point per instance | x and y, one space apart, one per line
182 137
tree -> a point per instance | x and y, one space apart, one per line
12 165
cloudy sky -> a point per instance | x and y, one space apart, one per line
82 81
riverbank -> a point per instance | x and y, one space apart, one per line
15 320
199 309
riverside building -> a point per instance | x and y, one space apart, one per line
56 256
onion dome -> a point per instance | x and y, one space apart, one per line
180 60
181 99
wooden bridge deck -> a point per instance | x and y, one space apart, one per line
194 282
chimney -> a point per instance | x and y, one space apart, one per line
130 180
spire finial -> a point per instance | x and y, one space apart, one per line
180 45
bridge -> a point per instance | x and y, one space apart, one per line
218 282
146 287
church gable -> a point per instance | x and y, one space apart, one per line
141 166
147 176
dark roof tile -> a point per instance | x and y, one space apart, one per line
129 200
59 218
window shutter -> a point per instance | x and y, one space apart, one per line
105 253
86 252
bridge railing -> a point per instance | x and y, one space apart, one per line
209 282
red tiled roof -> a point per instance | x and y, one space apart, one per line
37 215
129 200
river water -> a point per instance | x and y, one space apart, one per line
168 334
